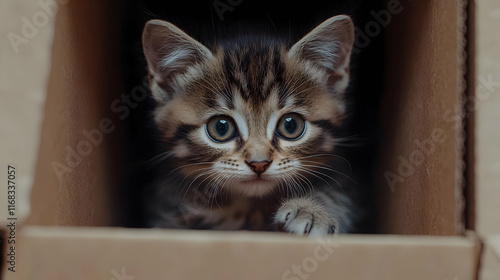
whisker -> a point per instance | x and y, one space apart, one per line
330 169
157 158
188 165
216 173
221 183
328 155
302 180
288 186
314 173
211 172
211 188
308 182
185 177
349 141
297 185
281 188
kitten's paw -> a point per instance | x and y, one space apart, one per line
304 216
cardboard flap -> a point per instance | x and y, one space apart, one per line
80 155
102 253
420 177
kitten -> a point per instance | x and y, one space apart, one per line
249 128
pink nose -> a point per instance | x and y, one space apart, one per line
259 166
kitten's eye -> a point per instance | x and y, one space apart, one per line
221 129
291 127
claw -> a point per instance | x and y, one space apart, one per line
281 227
332 230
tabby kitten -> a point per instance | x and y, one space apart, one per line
249 129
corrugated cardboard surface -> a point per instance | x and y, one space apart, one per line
422 104
91 253
76 174
470 120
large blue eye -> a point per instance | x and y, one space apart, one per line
291 126
221 128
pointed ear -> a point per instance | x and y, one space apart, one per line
169 52
329 45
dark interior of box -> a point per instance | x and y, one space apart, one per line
287 20
403 78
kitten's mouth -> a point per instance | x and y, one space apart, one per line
255 180
255 186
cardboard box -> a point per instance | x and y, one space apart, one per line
422 189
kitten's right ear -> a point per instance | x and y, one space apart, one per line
169 52
329 45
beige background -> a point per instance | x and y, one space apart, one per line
488 133
23 81
23 78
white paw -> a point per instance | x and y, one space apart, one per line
304 216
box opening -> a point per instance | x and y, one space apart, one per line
407 89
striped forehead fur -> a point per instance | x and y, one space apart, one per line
254 71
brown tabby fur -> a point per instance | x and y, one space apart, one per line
255 81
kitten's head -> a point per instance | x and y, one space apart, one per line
250 115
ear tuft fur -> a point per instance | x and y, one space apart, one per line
169 52
329 45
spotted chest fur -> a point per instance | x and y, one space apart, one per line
249 128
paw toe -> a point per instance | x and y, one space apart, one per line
304 219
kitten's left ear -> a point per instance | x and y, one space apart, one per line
329 45
169 52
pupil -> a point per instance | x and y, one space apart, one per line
290 125
222 127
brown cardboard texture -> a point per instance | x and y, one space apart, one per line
423 136
79 160
420 179
160 254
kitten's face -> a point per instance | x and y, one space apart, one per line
254 116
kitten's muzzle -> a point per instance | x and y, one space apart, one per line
259 166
